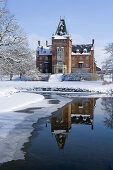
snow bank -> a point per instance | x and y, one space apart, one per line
57 86
7 91
56 78
17 100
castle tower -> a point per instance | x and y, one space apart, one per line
61 49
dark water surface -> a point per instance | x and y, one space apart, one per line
78 136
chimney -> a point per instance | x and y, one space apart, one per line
39 43
46 43
93 41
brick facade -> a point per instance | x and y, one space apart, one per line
63 57
66 59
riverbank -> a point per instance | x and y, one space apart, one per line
16 126
65 86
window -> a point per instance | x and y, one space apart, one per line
40 58
73 65
46 70
80 65
46 58
80 57
80 110
40 65
87 57
41 70
80 103
86 111
59 70
73 58
60 63
60 56
87 65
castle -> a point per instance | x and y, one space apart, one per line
62 56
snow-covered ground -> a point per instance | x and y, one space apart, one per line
7 91
16 126
18 100
55 78
80 86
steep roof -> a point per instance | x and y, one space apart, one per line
83 48
61 29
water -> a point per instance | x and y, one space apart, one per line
78 136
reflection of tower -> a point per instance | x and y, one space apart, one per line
60 126
82 111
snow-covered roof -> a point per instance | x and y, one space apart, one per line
82 49
44 50
61 36
73 53
83 54
78 115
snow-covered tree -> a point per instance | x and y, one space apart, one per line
15 54
108 63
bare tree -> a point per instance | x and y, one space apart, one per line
108 63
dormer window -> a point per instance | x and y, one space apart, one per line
77 51
85 50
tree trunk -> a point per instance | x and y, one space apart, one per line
11 76
20 75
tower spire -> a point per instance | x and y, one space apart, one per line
61 29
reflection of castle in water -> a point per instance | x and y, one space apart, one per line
81 111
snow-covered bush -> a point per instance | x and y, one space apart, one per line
90 77
71 77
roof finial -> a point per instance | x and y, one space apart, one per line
60 17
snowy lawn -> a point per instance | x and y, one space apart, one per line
84 86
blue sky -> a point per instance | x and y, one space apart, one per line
85 20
